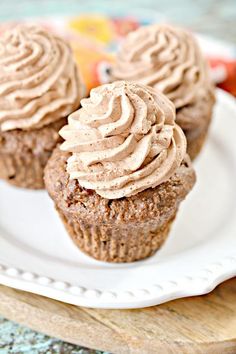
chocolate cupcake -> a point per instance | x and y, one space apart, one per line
119 177
39 87
169 60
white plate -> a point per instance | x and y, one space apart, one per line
36 254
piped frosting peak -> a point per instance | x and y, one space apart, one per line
123 140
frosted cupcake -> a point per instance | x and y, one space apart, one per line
39 87
169 60
119 177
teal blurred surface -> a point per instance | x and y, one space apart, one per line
213 17
16 339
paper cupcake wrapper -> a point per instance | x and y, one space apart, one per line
23 170
117 243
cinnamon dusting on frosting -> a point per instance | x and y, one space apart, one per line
166 58
39 80
123 140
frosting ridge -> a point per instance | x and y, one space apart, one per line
123 140
39 80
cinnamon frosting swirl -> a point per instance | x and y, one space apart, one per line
39 80
123 140
167 59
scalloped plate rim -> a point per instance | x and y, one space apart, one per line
201 283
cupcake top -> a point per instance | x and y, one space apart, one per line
39 80
166 58
123 140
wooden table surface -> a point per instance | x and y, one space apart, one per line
204 324
213 17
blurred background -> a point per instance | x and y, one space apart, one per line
214 18
96 27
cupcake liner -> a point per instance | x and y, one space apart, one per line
23 170
24 154
117 243
196 143
195 121
195 146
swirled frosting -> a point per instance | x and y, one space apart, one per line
39 80
167 59
123 140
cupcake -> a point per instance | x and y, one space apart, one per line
39 87
119 177
170 60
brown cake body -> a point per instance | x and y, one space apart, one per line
120 230
24 154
